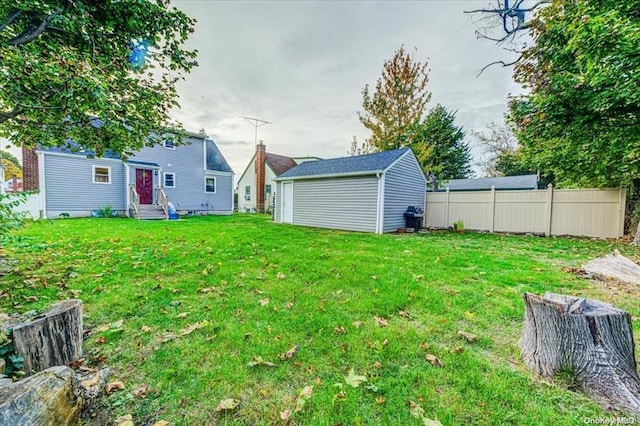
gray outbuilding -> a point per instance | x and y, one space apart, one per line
367 193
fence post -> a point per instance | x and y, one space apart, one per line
493 208
622 210
446 208
547 232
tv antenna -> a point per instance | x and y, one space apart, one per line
256 122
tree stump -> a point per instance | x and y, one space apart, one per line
53 338
47 398
591 339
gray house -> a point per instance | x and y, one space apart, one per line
194 177
368 193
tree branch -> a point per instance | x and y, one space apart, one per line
503 63
9 115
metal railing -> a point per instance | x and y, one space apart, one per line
162 200
135 201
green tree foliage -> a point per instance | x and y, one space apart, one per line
100 72
398 103
580 120
439 145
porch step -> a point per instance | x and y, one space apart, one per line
151 212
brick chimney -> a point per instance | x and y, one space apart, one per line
261 156
30 175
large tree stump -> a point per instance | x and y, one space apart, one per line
47 398
53 338
592 339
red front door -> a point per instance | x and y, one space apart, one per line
144 185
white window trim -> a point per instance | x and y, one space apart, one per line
93 174
164 180
215 184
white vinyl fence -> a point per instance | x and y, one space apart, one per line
32 206
578 212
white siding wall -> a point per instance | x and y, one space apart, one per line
404 186
248 179
339 203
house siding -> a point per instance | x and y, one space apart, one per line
338 203
187 162
277 212
69 185
404 186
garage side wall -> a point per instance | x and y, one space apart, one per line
337 203
404 186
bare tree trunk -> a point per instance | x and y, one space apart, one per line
53 338
592 339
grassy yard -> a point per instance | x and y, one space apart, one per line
190 313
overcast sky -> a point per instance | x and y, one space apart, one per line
301 65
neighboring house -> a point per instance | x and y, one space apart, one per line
256 186
194 177
485 184
13 184
368 193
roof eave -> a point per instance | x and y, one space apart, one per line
332 175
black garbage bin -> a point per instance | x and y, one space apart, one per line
413 217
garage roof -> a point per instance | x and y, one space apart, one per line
344 166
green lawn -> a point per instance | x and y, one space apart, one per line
183 307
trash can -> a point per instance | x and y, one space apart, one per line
413 217
173 214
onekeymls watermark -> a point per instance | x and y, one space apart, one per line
610 420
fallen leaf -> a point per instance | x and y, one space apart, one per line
340 330
381 322
353 379
284 415
470 337
357 324
290 353
101 340
258 360
304 395
193 327
404 314
424 346
264 302
469 315
433 360
289 305
459 349
340 396
207 290
380 400
281 276
377 365
124 421
161 423
30 298
145 329
416 410
141 392
227 404
182 315
114 386
102 328
117 325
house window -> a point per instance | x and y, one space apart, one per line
210 184
169 180
101 174
168 143
247 192
267 189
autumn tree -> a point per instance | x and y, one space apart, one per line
398 102
440 147
501 150
358 148
11 165
102 73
